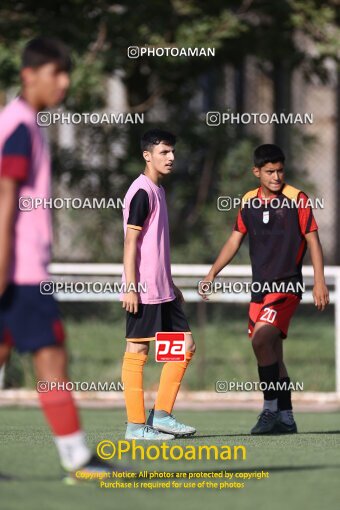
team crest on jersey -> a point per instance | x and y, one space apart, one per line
265 216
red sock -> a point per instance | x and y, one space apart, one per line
60 411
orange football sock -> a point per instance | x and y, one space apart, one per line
170 382
132 378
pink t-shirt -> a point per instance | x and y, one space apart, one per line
25 157
153 268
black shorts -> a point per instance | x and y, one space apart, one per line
29 320
151 319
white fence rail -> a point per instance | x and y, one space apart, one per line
187 276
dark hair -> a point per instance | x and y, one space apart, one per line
45 50
268 153
155 137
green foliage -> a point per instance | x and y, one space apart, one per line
87 90
9 65
211 161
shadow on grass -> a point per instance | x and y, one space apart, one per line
275 434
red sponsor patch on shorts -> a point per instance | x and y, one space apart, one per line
170 347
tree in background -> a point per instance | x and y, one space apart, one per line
174 93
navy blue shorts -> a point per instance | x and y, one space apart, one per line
29 320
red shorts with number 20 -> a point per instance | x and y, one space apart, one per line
276 309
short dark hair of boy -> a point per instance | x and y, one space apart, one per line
155 137
45 50
268 153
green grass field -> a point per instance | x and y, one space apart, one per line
96 344
304 469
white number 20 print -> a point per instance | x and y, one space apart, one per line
268 315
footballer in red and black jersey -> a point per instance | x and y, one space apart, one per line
276 228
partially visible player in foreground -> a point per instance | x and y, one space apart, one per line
147 264
30 321
278 239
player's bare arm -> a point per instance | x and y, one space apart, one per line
130 300
226 255
320 290
8 202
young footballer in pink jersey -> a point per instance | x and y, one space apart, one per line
30 321
154 304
